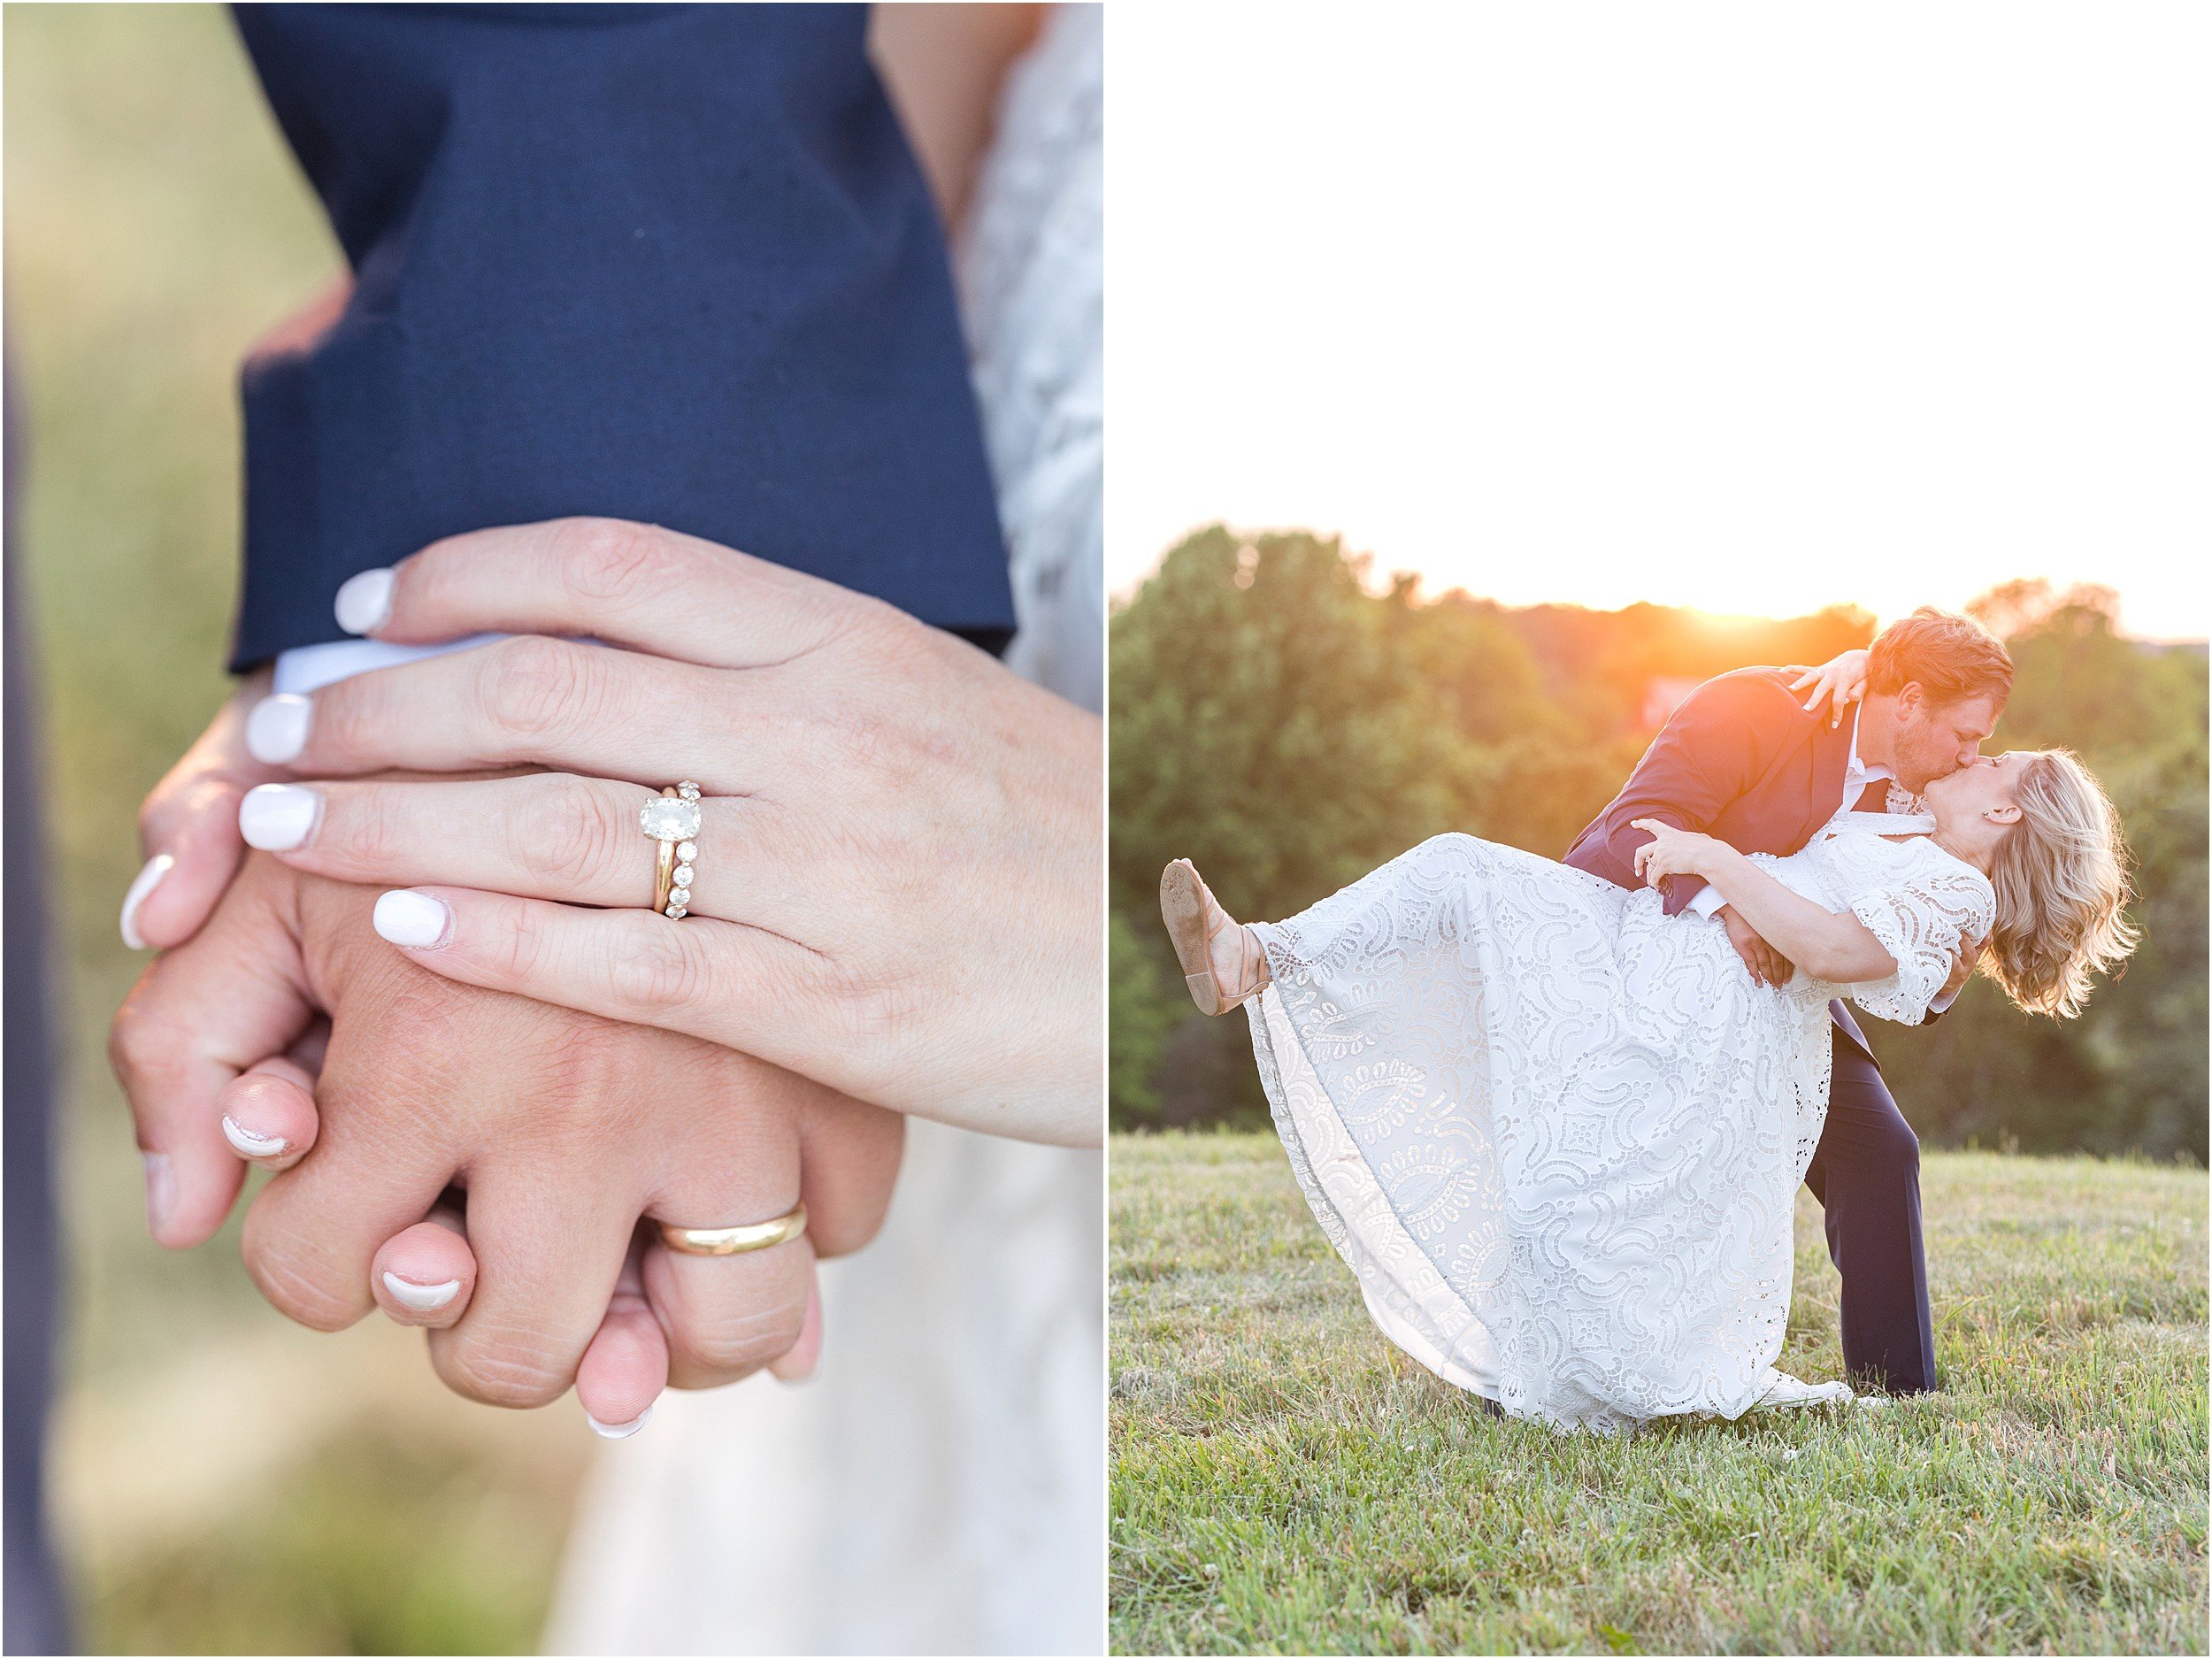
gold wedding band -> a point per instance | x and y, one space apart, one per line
664 870
760 1235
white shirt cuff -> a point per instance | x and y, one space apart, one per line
311 667
1708 899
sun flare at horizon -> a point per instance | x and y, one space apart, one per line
1721 600
1765 356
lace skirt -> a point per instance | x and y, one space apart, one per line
1556 1133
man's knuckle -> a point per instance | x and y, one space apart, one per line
743 1339
841 1229
297 1290
508 1367
129 1042
145 1043
585 1072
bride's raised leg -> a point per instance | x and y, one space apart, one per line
1222 962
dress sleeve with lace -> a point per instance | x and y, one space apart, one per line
1932 905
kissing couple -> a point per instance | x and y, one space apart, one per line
1555 1114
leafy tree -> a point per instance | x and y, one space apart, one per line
1264 726
1143 1007
1287 724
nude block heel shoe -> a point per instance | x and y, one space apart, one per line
1194 920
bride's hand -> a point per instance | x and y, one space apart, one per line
901 844
1675 852
1839 680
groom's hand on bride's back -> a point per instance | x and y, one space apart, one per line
563 1128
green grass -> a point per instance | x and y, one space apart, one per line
154 227
324 1530
1283 1480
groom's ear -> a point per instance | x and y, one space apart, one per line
1911 696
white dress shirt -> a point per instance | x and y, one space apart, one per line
308 668
1857 775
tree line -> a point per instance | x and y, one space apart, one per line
1289 724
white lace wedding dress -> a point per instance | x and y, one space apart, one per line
1557 1134
938 1487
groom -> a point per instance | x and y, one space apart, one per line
1741 760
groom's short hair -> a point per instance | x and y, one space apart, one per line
1950 657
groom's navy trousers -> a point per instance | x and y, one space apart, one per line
1741 760
1866 1174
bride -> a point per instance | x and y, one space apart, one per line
1558 1133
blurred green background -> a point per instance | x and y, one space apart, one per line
224 1481
1251 672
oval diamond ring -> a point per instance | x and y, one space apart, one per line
674 821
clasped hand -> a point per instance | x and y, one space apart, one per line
896 899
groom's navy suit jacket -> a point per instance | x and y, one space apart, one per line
671 264
1741 760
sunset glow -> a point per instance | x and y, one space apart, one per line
1605 307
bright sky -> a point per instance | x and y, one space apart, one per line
1749 307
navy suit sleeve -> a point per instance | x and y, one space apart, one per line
1710 752
670 263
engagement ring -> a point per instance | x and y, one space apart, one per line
674 821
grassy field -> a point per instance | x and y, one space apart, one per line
224 1481
1285 1481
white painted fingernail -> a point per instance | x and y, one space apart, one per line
278 817
276 731
365 601
161 1190
250 1144
421 1298
412 918
618 1430
146 880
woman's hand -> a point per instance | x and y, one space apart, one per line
1840 681
1677 852
902 843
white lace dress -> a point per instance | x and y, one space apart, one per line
1557 1134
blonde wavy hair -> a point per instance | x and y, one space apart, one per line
2062 881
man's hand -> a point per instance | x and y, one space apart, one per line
1970 953
562 1130
1768 966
